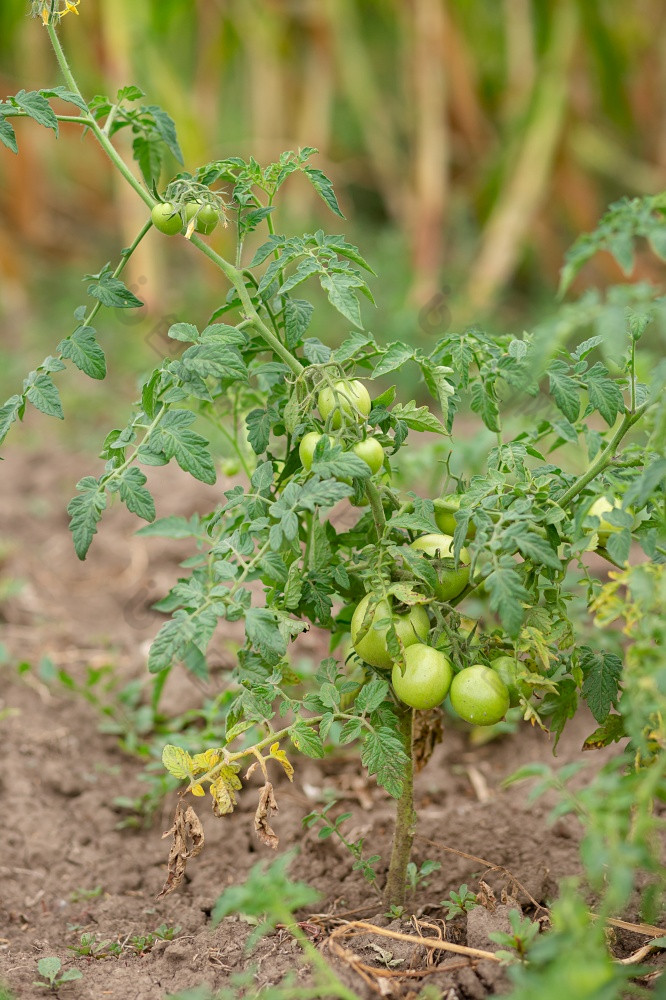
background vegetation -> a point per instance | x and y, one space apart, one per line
472 139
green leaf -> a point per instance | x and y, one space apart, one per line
8 135
170 642
383 755
44 395
419 418
507 595
148 153
618 545
166 130
49 967
297 316
69 975
371 695
259 426
351 730
134 495
82 348
190 449
316 352
10 412
37 107
218 360
65 95
396 355
602 673
340 289
171 527
111 291
536 548
85 512
564 390
187 332
605 395
306 739
610 731
324 188
484 404
262 631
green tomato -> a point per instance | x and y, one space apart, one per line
166 218
306 448
445 519
451 582
479 695
426 678
349 398
371 452
207 217
372 647
600 507
507 670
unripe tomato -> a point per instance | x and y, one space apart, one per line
445 519
371 452
349 398
306 448
451 582
426 678
372 647
600 507
507 670
166 218
479 695
207 217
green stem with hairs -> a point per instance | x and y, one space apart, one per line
405 821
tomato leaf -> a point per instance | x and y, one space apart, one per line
602 673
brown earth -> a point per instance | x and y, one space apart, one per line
60 777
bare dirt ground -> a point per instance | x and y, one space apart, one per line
60 777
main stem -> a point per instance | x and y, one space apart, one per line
403 834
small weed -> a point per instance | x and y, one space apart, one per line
459 903
84 895
524 933
52 977
332 828
419 876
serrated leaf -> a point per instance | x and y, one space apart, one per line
397 354
306 739
602 673
484 404
383 754
605 395
177 761
187 332
85 512
259 426
371 695
8 135
44 396
419 418
82 348
37 107
297 316
537 549
507 595
174 438
263 633
618 545
610 731
564 390
166 129
111 291
218 360
10 412
223 790
134 495
171 527
148 153
351 730
324 188
341 292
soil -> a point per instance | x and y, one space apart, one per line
69 866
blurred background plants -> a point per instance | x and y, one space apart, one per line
471 140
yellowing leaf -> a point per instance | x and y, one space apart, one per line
177 761
281 756
197 790
223 789
206 760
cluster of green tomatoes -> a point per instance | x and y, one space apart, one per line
171 219
479 694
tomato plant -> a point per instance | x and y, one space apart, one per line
206 217
509 545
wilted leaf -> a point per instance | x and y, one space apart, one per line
267 808
281 756
224 789
188 841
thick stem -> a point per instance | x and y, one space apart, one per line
403 834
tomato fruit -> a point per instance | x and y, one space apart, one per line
600 507
349 398
306 448
451 582
371 452
207 217
445 519
507 670
479 695
166 218
372 648
426 678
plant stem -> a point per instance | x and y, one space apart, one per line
373 496
403 834
605 457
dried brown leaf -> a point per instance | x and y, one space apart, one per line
486 897
267 808
428 732
188 841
